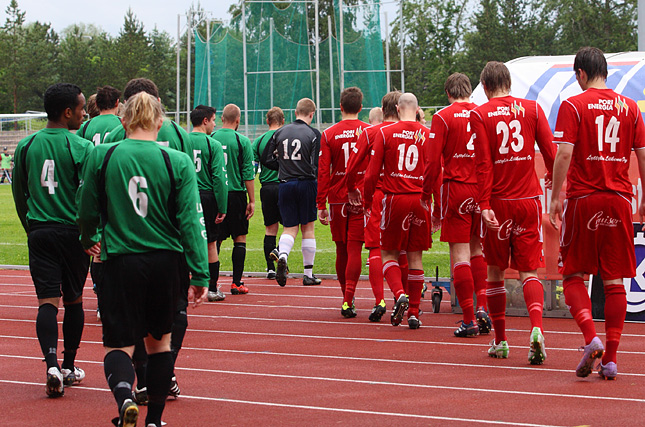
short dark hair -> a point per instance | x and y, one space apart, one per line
388 104
59 97
275 116
200 113
106 97
351 99
458 86
135 86
495 77
90 106
592 61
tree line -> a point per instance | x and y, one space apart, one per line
442 37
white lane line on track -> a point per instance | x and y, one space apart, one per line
316 408
330 322
346 358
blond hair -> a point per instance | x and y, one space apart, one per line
142 111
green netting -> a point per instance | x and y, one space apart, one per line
281 41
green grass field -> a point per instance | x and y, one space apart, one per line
13 244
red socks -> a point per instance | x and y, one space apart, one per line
352 269
415 288
403 263
392 273
463 281
496 295
534 299
376 274
615 310
576 297
341 264
480 273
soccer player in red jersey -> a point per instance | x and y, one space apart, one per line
401 150
355 173
506 130
596 132
451 140
345 220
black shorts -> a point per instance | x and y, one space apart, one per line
57 261
297 202
184 277
139 295
269 199
235 224
210 210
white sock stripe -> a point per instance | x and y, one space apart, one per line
495 291
418 277
457 264
390 264
529 279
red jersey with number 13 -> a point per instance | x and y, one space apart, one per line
506 130
336 146
603 127
402 150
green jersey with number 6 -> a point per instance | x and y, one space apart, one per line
146 197
98 128
209 165
239 165
48 169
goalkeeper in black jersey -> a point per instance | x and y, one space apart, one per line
47 174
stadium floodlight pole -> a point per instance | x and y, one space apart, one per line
246 83
208 60
178 67
402 45
271 58
641 25
331 66
341 60
318 112
387 52
189 29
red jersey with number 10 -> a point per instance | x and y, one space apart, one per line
506 130
336 145
603 127
402 150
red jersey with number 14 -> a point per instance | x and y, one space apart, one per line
336 145
402 150
603 127
506 130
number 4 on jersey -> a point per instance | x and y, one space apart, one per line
47 176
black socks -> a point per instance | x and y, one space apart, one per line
47 332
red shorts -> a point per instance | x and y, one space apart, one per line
597 235
404 223
373 221
460 214
519 236
346 222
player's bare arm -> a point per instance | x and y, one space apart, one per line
560 168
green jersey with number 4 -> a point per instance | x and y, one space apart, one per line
98 128
147 195
209 165
48 169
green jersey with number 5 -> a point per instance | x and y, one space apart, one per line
48 169
210 168
147 197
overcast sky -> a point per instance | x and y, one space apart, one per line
108 14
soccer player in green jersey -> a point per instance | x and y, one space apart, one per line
48 171
97 128
269 191
146 196
211 181
170 135
239 168
5 166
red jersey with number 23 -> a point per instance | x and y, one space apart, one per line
603 127
506 130
336 146
402 150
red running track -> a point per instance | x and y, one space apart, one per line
285 356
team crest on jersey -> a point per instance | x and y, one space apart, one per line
621 105
359 131
517 109
419 136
